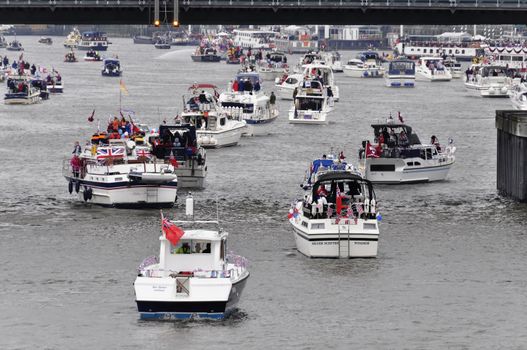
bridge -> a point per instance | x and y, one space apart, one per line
263 12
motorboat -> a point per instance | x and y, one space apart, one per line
177 145
213 128
245 100
97 41
70 57
14 45
454 67
398 157
518 96
338 216
324 74
432 69
92 56
401 73
143 39
310 57
42 87
311 104
272 66
366 65
207 54
162 43
111 68
20 91
55 83
194 276
73 39
45 40
332 59
287 84
110 173
490 80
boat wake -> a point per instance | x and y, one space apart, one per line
175 54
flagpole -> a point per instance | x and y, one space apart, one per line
120 106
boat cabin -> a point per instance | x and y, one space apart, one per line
401 67
179 141
369 56
210 122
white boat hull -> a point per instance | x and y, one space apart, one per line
221 138
259 127
403 173
436 77
305 117
23 101
364 73
271 75
496 90
188 179
403 81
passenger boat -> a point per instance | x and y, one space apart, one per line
55 83
311 104
490 81
454 67
514 57
97 41
367 65
398 156
208 54
432 69
324 74
111 173
287 84
45 40
213 128
73 39
177 145
332 59
21 92
248 102
92 56
193 277
15 45
273 66
70 57
401 73
338 217
518 96
111 68
254 39
462 49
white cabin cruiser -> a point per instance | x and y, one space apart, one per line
518 96
114 175
366 65
20 91
324 74
337 217
332 59
454 67
490 81
252 106
287 84
311 104
401 73
55 83
432 69
398 156
272 66
213 128
193 277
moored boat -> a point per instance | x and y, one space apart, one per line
15 45
432 69
401 73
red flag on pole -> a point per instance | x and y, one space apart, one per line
172 232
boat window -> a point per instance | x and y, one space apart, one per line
417 163
182 247
222 121
304 223
291 81
368 226
118 179
428 153
424 50
382 167
319 226
410 163
462 51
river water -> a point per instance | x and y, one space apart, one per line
451 270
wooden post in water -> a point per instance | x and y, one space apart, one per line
512 154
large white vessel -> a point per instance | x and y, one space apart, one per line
311 104
513 57
401 73
324 74
399 157
366 65
97 41
295 39
252 106
460 46
193 277
114 175
254 39
432 69
213 128
338 216
490 81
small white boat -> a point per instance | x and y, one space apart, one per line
454 67
311 104
21 92
332 59
272 66
338 216
432 69
287 84
398 156
194 276
490 80
15 45
213 128
401 73
55 83
92 56
252 106
366 65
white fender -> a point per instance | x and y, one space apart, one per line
367 205
373 206
313 208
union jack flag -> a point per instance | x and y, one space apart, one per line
110 152
143 152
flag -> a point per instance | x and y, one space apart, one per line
110 152
173 161
143 152
21 57
400 117
172 232
370 152
90 118
123 88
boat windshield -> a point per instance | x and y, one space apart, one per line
308 103
397 67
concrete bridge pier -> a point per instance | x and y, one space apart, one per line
512 154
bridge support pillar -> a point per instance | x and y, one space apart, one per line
512 154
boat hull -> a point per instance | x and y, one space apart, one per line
497 91
223 138
259 127
96 47
55 89
28 100
188 178
399 81
438 77
208 58
404 174
321 119
364 73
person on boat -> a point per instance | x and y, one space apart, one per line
207 248
257 86
272 98
235 85
295 92
77 149
202 97
6 61
435 141
403 139
75 165
184 249
241 86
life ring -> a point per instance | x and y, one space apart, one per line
77 186
70 187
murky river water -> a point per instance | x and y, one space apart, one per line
451 270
